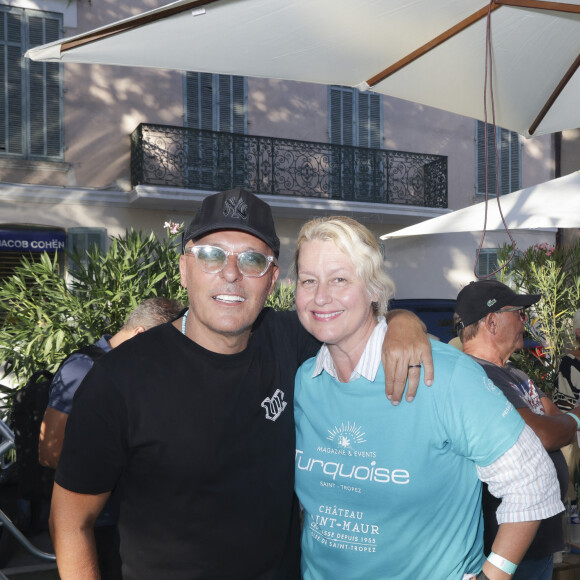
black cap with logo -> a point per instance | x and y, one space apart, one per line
478 299
235 209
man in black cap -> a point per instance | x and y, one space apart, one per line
490 320
193 421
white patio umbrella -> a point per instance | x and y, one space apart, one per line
552 204
430 52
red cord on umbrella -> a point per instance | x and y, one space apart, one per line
489 78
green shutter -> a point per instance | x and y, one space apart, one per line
199 101
11 81
206 99
239 108
482 137
84 240
192 105
508 149
348 118
30 92
216 102
224 103
369 120
44 93
354 117
232 104
487 262
335 116
515 162
54 135
342 120
505 158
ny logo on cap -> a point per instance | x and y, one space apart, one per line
236 208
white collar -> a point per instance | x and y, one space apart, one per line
369 362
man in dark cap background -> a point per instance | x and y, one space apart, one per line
490 320
193 420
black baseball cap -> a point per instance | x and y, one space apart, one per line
480 298
235 209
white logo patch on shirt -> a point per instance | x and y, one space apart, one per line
274 405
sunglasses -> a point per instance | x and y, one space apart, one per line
521 311
212 260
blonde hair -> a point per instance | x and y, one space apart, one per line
359 244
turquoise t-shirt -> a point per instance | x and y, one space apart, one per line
392 492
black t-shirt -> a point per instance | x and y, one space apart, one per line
521 392
202 448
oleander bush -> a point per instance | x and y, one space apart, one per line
554 273
46 315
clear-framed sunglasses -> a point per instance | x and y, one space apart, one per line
212 260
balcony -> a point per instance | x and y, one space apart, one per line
168 156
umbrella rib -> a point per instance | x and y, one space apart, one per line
561 85
475 17
542 5
128 25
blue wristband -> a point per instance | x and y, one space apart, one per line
501 563
576 418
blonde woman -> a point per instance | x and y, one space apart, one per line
395 493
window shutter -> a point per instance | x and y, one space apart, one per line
363 121
347 118
30 92
37 95
215 102
15 87
515 162
44 100
199 101
192 100
484 135
480 157
487 262
508 148
369 120
505 158
84 240
225 103
206 102
239 109
54 139
342 119
334 116
12 82
354 117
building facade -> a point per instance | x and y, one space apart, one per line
88 151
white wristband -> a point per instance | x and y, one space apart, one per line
501 563
575 417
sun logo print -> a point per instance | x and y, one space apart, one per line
347 435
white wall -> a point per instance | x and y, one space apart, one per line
439 265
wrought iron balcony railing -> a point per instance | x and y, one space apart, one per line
214 161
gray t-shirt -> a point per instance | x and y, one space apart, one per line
521 392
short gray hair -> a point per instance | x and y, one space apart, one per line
466 333
152 312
